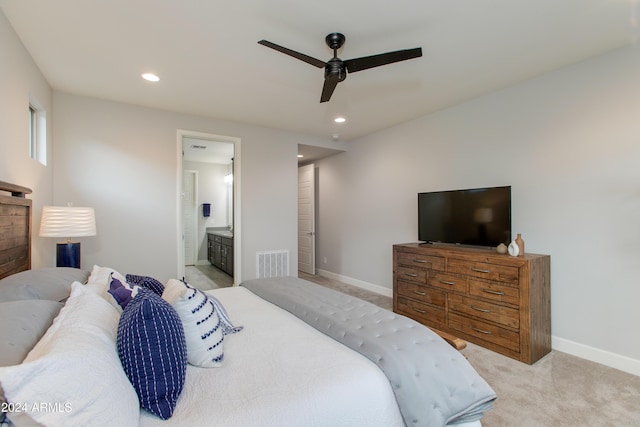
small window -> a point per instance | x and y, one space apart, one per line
33 133
37 132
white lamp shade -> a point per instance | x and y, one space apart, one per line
67 221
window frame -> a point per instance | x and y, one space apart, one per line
37 138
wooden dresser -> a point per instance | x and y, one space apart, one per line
496 301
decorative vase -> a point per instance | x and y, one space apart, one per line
502 248
513 249
520 244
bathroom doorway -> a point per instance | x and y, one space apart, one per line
209 199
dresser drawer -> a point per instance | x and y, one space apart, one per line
497 272
419 260
495 313
421 293
412 274
485 331
448 282
494 291
426 313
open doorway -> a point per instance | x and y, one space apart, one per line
208 209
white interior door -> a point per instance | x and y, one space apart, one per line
189 216
306 219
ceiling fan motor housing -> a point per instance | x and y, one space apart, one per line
335 69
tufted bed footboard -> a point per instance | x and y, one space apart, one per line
433 383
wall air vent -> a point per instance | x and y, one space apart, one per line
272 264
199 147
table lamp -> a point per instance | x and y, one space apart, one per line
67 221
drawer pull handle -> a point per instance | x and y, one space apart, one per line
411 274
480 270
481 331
419 293
420 311
446 282
480 309
489 291
421 261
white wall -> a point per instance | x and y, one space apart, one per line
20 79
211 189
122 160
569 145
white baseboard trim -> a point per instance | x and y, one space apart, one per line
202 262
607 358
358 283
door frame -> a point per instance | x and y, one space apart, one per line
195 214
237 175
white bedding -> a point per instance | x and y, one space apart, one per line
279 371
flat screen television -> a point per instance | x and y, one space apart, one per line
474 217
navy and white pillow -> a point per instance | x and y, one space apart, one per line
122 293
100 280
146 282
201 321
153 352
227 326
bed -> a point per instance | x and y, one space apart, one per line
285 352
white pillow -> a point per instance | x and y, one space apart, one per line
99 281
202 326
74 370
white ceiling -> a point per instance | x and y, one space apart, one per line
207 56
309 153
206 151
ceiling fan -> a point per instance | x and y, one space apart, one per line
335 69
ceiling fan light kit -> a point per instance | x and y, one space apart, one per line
335 69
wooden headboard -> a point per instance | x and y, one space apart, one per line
15 229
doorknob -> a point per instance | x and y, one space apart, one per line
311 233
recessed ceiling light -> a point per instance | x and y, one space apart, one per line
150 77
339 120
300 156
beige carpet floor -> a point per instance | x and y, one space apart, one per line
558 390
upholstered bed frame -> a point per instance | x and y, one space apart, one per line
15 229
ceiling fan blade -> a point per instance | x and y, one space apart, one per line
366 62
301 56
328 88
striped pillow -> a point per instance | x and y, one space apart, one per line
202 326
152 349
227 326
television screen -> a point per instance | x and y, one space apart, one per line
478 216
